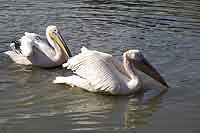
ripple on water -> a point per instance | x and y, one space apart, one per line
166 31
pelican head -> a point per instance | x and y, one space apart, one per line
140 63
53 32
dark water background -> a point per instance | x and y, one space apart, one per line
168 33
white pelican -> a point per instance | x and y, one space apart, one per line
33 49
99 72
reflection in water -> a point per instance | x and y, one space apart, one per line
34 98
87 111
137 114
99 111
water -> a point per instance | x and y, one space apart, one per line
168 33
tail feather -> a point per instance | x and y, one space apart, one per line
73 80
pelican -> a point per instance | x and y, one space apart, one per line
99 72
37 50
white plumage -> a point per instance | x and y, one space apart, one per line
100 72
34 49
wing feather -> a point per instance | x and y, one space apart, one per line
41 43
98 69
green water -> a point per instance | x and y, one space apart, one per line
168 33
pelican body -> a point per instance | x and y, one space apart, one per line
37 50
95 71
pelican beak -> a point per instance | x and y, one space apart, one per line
148 69
57 37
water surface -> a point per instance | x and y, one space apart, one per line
168 33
